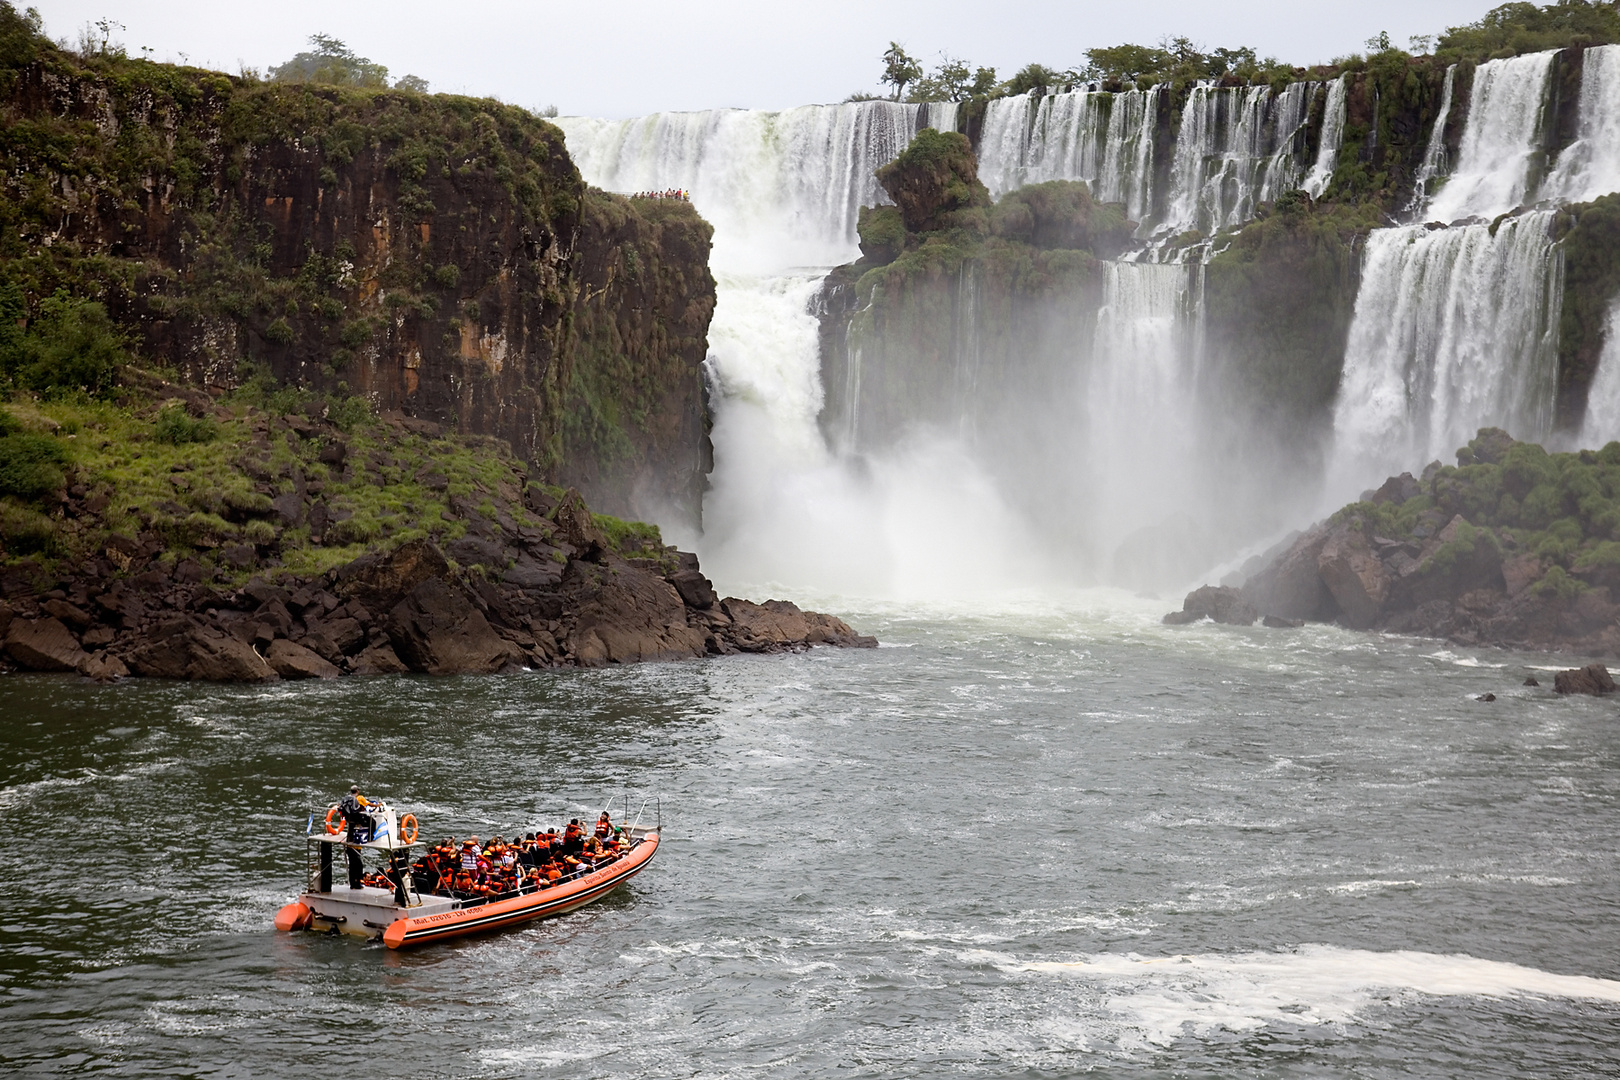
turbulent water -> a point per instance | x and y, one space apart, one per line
1039 838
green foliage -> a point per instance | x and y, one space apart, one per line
882 233
70 347
31 466
630 538
1060 214
899 68
333 63
933 177
1591 246
175 427
1517 28
1556 584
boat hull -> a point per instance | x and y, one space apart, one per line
409 932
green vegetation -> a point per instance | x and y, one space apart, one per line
1517 501
70 347
1591 243
331 63
1512 29
31 465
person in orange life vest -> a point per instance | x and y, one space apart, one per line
604 826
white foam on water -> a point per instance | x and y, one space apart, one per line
1162 999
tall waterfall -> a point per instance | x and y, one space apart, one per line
1327 150
1456 328
783 191
1602 423
1434 154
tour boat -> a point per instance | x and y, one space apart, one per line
404 916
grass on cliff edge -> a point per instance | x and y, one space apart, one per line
204 484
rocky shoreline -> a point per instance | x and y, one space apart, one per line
1511 548
393 612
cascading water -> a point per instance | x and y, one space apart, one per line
783 191
1327 151
1590 166
1500 142
1602 424
1237 147
1454 329
1434 155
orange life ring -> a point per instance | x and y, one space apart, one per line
334 827
407 828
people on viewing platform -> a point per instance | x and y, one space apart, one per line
470 869
667 193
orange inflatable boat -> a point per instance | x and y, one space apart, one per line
402 916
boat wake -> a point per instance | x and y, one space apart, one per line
1167 998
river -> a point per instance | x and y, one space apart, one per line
1031 837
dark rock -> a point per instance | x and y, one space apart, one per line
777 624
1221 603
1183 618
624 615
70 614
43 645
319 518
1354 575
262 592
289 508
1292 585
1520 572
1530 680
476 551
98 637
1397 489
103 667
531 573
1593 679
185 648
1486 697
188 572
696 590
335 638
240 556
436 629
334 453
378 659
576 528
293 661
1279 623
1488 447
7 613
381 579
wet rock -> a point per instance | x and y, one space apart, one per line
240 556
476 551
1530 680
777 624
43 645
289 509
1291 587
381 579
293 661
1277 622
625 615
1222 604
70 614
1397 489
576 527
531 573
186 648
103 667
1593 679
1520 572
1486 697
378 659
1355 577
334 638
696 590
98 637
1183 618
436 629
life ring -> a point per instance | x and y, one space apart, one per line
334 827
407 828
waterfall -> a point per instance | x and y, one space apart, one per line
1004 144
1327 149
1454 329
1602 423
1434 155
1590 166
1501 140
1236 147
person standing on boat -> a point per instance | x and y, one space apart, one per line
353 808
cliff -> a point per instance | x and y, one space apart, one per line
438 255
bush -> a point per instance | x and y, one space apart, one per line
71 347
629 537
175 427
31 466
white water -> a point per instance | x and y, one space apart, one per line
1454 330
1327 150
1602 423
1590 166
1237 147
783 191
1434 155
1500 142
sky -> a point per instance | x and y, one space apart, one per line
630 57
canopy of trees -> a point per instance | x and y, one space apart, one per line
1523 27
330 61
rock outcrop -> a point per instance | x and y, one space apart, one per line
1592 679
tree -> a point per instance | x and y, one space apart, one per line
414 83
984 81
1126 63
1523 27
951 81
1033 76
899 68
331 62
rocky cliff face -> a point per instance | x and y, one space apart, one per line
437 254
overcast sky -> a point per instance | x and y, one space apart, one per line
627 57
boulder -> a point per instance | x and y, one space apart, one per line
380 580
103 667
1397 489
43 645
1592 679
1291 587
187 648
626 614
1222 604
1184 617
1355 576
531 573
292 661
776 625
436 629
1277 622
378 659
577 528
696 590
68 613
1521 572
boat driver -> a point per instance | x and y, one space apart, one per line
353 808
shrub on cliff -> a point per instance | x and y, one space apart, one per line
71 346
31 466
1061 214
934 177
